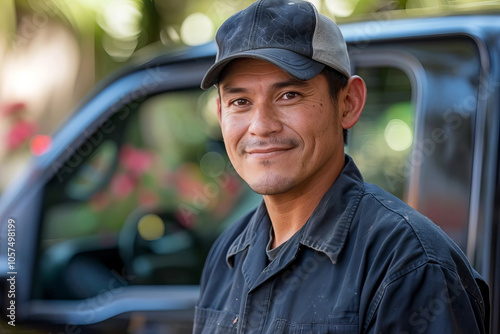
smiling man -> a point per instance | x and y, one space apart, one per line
325 252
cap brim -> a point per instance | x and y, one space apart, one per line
298 66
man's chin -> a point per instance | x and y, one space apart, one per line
270 186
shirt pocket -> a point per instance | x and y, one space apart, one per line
207 321
285 327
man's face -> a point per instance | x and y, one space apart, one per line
282 135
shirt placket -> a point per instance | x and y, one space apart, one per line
259 278
255 309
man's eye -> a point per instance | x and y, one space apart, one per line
290 95
240 102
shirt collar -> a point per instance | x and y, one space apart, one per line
327 229
259 220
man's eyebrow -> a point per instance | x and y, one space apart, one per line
233 90
290 82
282 84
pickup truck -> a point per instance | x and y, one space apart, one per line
107 231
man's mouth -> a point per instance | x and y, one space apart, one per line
268 152
268 148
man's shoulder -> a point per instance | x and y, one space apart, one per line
391 210
407 244
394 219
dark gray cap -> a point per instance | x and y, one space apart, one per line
290 34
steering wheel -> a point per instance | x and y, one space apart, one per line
157 249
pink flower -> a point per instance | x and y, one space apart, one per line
232 185
40 144
12 108
20 132
99 201
186 217
148 198
135 160
122 185
188 181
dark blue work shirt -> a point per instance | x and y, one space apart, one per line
364 262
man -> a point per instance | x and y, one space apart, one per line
324 252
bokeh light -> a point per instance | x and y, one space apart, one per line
197 29
168 35
120 20
40 144
212 164
341 8
151 227
398 135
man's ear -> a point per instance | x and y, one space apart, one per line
354 97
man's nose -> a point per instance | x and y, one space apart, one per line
265 120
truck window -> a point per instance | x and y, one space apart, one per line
417 133
381 142
140 202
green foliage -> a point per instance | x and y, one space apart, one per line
160 21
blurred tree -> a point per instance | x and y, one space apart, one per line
119 28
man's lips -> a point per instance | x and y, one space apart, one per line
266 149
267 152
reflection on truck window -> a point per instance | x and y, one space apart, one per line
145 206
381 141
424 156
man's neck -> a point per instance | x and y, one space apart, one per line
290 211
